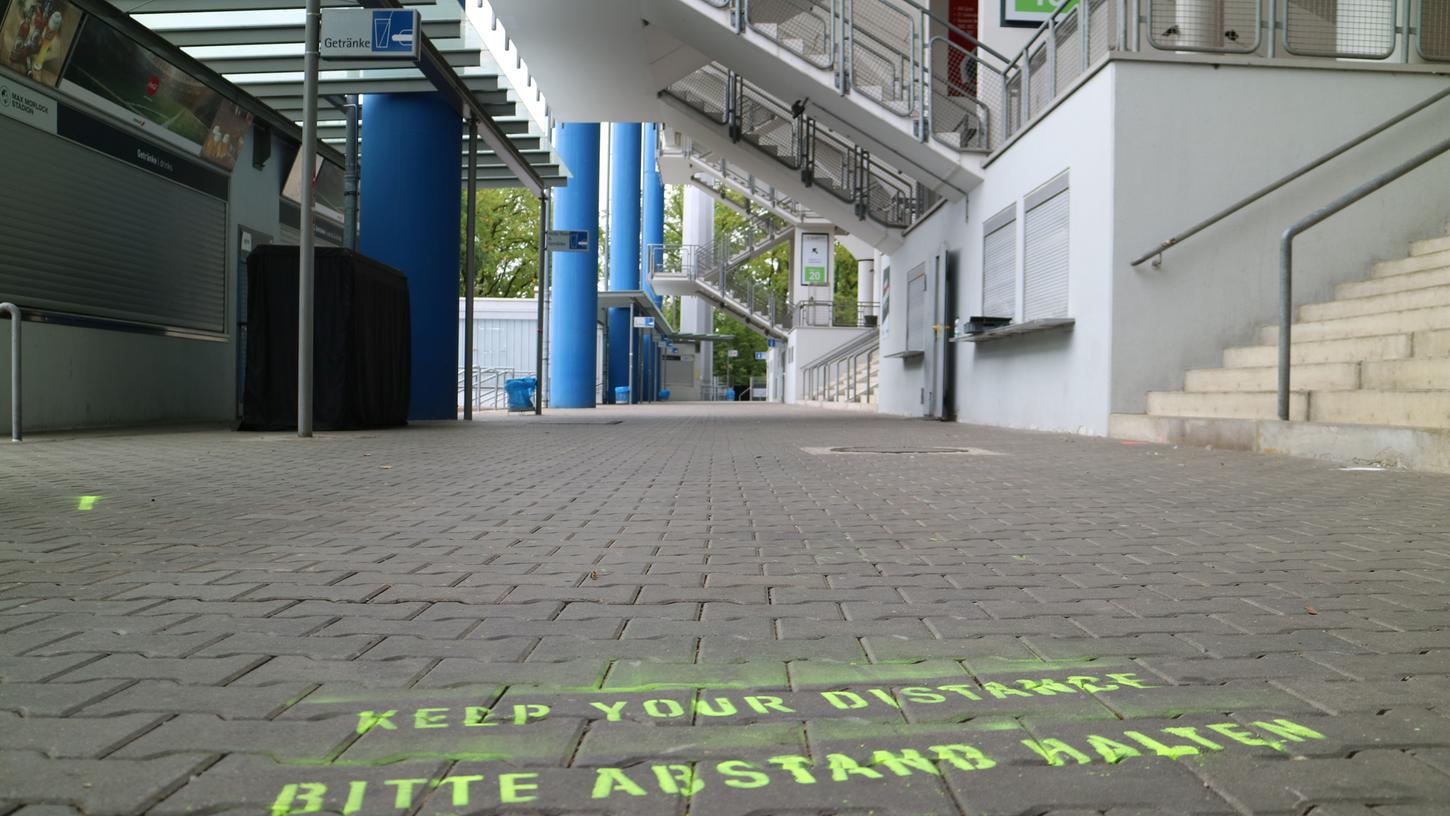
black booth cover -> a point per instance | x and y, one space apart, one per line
361 346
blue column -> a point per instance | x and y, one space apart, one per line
654 200
575 300
409 220
647 372
623 249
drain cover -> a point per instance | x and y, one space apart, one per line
911 450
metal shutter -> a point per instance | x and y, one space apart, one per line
917 317
999 271
1044 259
86 234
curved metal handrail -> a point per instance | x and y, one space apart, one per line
15 318
1286 255
1157 252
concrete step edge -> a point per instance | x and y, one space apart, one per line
1426 449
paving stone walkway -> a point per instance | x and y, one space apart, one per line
705 610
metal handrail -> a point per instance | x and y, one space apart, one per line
1157 252
15 317
1286 254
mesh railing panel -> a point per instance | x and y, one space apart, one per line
834 167
1069 48
1039 84
1362 29
1434 36
704 90
1014 104
882 76
769 128
1100 22
1224 26
883 49
888 206
967 102
799 26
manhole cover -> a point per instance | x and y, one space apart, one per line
930 450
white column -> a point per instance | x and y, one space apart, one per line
866 286
696 314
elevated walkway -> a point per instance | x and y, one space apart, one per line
835 178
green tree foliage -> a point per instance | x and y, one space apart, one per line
506 249
737 371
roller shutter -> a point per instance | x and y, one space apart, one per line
1044 258
999 266
89 235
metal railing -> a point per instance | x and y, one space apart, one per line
488 386
847 374
949 87
719 266
1157 252
15 318
842 313
1286 256
823 157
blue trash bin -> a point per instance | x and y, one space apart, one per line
621 395
520 391
664 394
730 394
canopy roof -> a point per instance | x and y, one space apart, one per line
257 45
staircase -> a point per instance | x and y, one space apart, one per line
845 377
713 271
1370 377
743 113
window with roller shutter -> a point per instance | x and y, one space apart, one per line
999 264
1045 251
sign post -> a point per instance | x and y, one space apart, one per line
308 241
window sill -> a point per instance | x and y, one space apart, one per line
1029 327
904 355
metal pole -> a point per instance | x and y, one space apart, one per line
14 312
1273 30
472 267
308 242
349 179
1286 254
543 286
632 333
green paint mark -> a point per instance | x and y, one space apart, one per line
84 503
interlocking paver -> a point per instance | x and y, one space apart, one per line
686 611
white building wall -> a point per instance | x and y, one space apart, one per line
1151 148
1053 380
1192 139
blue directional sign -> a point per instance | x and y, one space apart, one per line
770 342
394 31
370 34
567 241
761 355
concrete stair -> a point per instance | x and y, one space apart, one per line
1371 362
